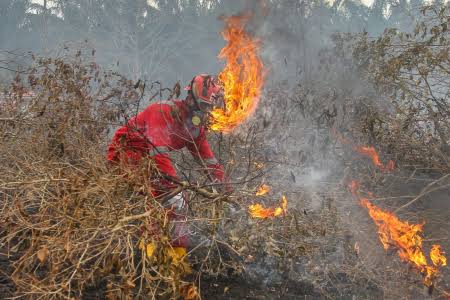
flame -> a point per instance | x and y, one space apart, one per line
365 150
263 189
407 239
259 165
356 248
260 212
242 77
283 209
437 256
372 153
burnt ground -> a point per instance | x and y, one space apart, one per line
221 287
265 277
6 285
332 271
237 288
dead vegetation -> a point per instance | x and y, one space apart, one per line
71 223
72 226
411 71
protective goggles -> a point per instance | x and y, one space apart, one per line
216 101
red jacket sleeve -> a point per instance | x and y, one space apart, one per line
164 165
128 143
201 150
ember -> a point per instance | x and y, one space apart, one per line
242 77
263 189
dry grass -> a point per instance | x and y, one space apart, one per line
72 225
70 222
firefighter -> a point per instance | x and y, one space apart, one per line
167 126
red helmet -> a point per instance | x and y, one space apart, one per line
206 91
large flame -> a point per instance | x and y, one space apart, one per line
260 212
407 239
242 77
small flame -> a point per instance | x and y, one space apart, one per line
283 209
259 165
356 248
437 256
365 150
242 77
407 239
263 189
260 212
372 153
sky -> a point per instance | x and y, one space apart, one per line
151 2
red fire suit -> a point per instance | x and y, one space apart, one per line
163 127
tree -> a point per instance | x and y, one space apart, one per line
14 21
413 70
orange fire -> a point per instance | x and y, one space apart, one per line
407 238
365 150
437 256
372 153
263 189
260 212
242 77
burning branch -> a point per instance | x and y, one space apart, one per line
407 238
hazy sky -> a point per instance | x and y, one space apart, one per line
42 1
366 2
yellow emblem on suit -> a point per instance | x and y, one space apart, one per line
196 120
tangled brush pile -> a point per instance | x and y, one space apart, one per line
69 221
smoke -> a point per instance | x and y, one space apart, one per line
175 41
307 79
310 86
